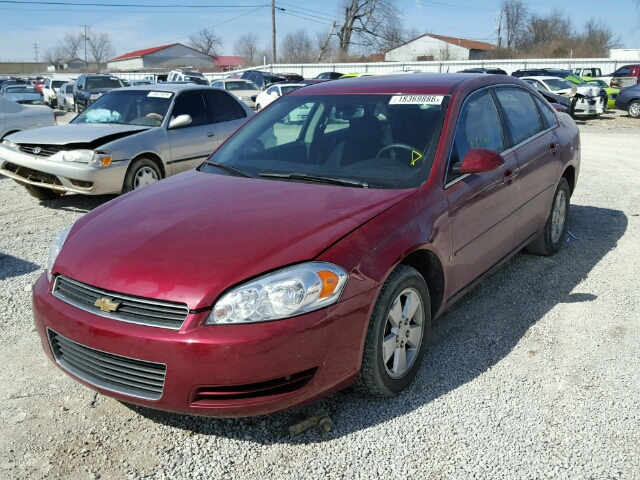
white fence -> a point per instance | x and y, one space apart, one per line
311 70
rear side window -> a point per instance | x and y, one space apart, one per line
191 103
478 127
223 107
521 113
622 72
548 117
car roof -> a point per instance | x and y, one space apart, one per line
542 77
418 83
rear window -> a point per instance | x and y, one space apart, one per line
622 72
57 83
103 82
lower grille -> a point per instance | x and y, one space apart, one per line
208 396
41 150
33 175
122 307
116 373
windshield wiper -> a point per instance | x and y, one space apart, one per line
317 178
236 171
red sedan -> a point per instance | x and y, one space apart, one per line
307 256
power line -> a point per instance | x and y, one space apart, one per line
329 17
120 5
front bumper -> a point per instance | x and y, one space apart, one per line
62 176
589 106
324 345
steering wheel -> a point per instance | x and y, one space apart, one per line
402 146
155 116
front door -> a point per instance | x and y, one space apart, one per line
193 143
483 208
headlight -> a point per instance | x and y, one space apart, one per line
95 96
94 159
9 144
55 247
285 293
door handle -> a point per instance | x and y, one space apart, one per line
554 147
509 175
211 134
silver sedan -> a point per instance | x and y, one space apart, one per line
129 138
15 117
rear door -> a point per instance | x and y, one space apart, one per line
226 112
531 135
193 143
483 207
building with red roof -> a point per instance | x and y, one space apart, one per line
437 47
174 55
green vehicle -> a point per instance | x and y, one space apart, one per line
611 92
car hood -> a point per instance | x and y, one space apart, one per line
192 236
81 133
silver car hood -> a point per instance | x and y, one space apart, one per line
76 133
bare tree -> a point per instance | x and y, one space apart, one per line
248 46
597 38
100 48
264 54
55 56
296 47
325 44
515 14
206 41
71 42
364 22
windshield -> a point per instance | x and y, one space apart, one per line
103 82
21 89
231 86
58 83
129 107
556 84
372 139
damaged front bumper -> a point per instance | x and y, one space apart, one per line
61 176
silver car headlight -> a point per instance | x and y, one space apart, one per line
9 144
285 293
94 159
55 247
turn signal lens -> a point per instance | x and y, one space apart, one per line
329 283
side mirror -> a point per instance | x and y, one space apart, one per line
479 160
179 121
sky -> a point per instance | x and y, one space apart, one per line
138 24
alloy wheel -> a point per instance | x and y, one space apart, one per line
559 216
403 333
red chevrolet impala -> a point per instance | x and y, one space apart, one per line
313 249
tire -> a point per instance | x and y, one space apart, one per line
552 237
634 109
286 120
141 173
377 377
258 107
42 193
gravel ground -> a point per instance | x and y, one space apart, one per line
534 374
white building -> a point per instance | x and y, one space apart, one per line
624 53
165 56
437 47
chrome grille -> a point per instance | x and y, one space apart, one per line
129 309
129 376
42 150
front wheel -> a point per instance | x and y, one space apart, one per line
397 336
141 173
42 193
634 109
555 230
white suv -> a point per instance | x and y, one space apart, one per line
50 91
187 76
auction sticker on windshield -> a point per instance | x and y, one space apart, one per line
416 100
160 94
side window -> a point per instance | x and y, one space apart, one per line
622 72
547 115
217 84
478 127
272 90
223 107
521 113
192 103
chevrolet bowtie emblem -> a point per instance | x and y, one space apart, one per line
106 305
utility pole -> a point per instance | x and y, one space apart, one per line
35 46
499 28
86 65
273 31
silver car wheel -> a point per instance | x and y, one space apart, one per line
558 216
634 110
403 333
143 177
